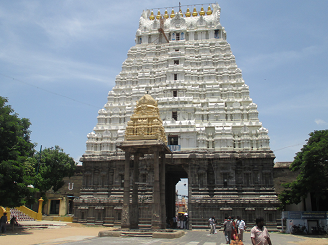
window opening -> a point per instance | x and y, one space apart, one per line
144 178
175 77
225 180
216 34
175 115
175 93
178 36
122 180
176 62
173 139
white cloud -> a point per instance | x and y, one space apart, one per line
320 122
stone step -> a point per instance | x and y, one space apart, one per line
137 234
20 216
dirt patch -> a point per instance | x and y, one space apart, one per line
313 241
52 235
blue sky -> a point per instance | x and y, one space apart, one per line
59 59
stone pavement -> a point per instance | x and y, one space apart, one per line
195 237
74 234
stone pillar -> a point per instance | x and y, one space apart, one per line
190 207
39 215
135 207
125 223
162 190
156 219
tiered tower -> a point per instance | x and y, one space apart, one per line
184 61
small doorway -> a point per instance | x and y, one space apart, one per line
54 206
70 206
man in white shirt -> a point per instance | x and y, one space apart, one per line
241 228
260 234
211 222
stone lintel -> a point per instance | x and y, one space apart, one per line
144 146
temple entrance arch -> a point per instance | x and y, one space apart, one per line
175 171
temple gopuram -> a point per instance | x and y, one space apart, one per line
179 109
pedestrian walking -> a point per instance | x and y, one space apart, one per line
260 234
234 229
241 228
227 229
3 222
211 223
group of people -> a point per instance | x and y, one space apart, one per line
4 221
179 222
233 229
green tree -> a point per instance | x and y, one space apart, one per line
312 164
51 167
15 148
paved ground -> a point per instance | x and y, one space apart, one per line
73 234
198 237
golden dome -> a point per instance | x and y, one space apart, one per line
172 14
152 17
180 12
202 12
166 15
158 16
209 11
145 123
188 14
195 12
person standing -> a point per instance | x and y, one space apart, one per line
241 228
3 222
13 222
227 230
187 222
234 229
181 221
174 222
260 234
211 224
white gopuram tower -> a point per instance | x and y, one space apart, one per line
183 61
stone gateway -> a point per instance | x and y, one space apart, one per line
181 90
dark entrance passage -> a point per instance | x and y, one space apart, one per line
174 173
54 206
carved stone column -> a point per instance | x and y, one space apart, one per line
125 223
135 207
156 219
162 190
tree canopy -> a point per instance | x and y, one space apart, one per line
312 164
15 148
21 167
51 167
